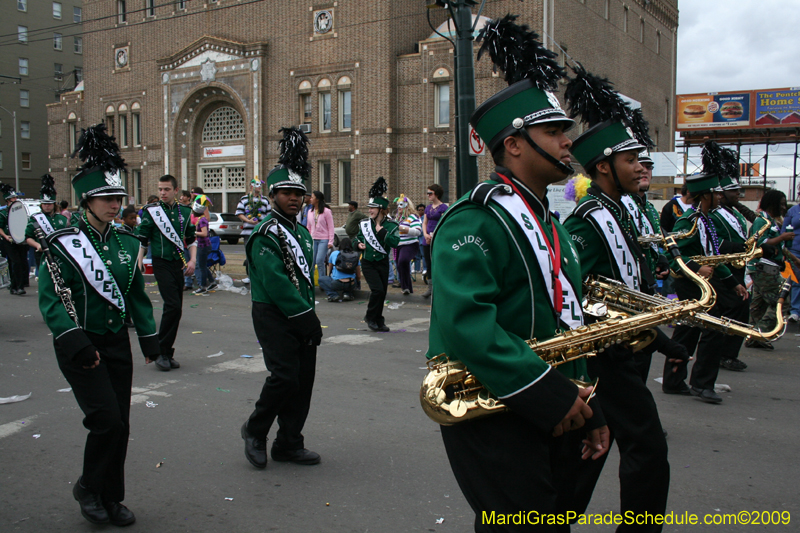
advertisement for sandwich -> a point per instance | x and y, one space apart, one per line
769 108
713 111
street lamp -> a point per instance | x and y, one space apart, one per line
16 153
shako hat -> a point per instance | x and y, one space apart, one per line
293 167
730 164
8 191
47 193
532 74
708 179
644 157
376 192
613 126
102 164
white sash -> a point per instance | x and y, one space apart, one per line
372 239
164 224
705 242
44 223
640 218
732 221
90 263
571 312
616 243
297 251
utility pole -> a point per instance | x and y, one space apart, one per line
16 152
466 164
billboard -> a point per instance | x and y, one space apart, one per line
772 108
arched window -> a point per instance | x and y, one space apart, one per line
224 124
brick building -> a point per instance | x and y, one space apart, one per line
200 90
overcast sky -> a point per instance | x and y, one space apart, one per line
741 45
730 45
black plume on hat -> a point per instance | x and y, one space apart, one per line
48 186
713 159
730 160
294 151
517 51
97 149
594 99
379 188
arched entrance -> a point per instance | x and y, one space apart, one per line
221 168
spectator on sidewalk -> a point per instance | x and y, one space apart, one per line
340 281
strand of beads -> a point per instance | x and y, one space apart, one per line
712 231
107 264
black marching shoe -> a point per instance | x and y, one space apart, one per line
118 514
706 395
91 505
373 325
162 363
173 363
733 364
254 449
382 327
683 390
300 457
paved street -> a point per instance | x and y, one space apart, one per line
383 468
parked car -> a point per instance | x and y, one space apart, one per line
226 226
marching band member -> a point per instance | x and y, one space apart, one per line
49 219
167 226
377 235
98 264
605 235
17 254
731 227
279 253
506 271
705 191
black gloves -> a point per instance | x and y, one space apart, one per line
309 327
86 356
768 251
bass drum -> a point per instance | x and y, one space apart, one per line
18 217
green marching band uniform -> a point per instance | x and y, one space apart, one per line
279 253
605 236
731 227
706 241
48 222
99 268
375 256
646 219
503 294
16 253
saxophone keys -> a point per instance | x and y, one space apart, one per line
458 408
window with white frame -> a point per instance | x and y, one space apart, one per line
151 8
22 34
658 42
181 4
137 184
23 66
26 160
77 15
57 10
122 11
625 19
78 74
442 106
58 71
72 132
345 181
123 131
136 128
641 30
606 9
325 179
306 108
57 41
442 176
25 129
24 98
77 45
22 5
325 111
345 110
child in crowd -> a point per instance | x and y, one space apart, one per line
200 221
339 282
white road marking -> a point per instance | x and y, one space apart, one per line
408 325
243 366
142 394
353 340
15 426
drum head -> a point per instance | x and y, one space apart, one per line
17 221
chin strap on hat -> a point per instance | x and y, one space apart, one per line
519 125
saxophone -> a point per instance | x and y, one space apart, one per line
620 300
450 393
737 260
659 238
